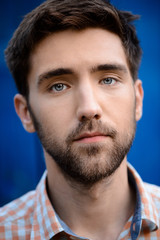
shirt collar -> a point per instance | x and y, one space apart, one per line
44 214
149 213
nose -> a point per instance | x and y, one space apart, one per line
88 105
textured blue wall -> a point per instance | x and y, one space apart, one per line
21 159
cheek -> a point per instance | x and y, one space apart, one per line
122 110
55 118
55 114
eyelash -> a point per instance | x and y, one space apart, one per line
56 85
109 78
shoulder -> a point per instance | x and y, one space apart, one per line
154 192
19 219
18 210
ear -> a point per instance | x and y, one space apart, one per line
22 111
139 99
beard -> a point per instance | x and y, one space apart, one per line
87 164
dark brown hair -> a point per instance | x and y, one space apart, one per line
58 15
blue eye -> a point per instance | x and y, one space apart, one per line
109 81
58 87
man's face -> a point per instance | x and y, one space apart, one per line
83 102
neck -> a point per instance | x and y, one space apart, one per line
94 212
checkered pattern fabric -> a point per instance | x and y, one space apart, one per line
33 217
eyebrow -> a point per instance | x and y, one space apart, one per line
108 67
53 73
68 71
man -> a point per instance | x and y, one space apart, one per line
75 64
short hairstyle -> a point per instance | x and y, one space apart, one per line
59 15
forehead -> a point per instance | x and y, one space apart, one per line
77 50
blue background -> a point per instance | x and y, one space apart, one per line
21 158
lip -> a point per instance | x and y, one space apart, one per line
90 137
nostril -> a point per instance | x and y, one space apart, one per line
97 116
83 117
88 117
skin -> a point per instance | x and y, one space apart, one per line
84 96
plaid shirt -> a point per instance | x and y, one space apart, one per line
33 217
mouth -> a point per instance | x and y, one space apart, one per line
91 137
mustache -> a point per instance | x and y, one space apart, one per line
91 126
